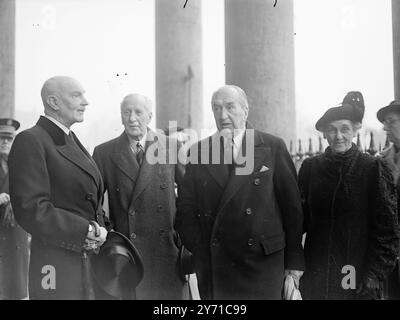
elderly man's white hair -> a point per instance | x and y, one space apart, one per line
138 98
241 95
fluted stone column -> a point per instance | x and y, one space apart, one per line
396 46
179 82
260 59
7 57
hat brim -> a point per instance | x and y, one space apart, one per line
381 114
118 268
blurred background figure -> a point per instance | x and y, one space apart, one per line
390 118
14 244
350 211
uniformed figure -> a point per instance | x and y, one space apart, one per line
244 227
56 191
14 243
142 198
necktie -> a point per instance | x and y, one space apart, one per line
139 153
228 154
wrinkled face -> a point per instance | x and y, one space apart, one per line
391 124
72 102
339 135
135 117
5 144
229 114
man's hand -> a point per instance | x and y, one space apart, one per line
291 285
370 287
95 237
7 219
296 274
4 199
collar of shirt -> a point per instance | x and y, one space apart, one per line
237 142
142 142
59 124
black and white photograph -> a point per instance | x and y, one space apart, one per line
199 154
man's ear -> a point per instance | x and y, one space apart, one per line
150 116
52 102
324 135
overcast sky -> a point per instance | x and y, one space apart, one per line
341 45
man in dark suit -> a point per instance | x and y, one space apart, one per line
241 220
139 170
56 189
14 243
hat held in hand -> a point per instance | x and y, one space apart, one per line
118 267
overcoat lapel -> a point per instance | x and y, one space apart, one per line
124 159
69 152
235 182
218 171
147 170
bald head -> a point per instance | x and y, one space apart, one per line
63 99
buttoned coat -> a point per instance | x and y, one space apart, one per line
142 207
55 189
14 253
243 230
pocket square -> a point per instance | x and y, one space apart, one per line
264 168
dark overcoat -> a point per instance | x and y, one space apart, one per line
142 207
14 254
55 189
350 209
244 230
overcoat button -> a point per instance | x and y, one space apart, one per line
131 212
163 185
160 208
89 196
133 236
257 181
214 242
250 242
248 211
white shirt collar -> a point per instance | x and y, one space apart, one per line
59 124
142 141
237 141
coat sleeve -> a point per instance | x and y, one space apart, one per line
288 196
108 221
30 197
383 243
304 180
187 220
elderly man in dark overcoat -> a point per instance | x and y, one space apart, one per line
239 209
14 242
55 190
139 169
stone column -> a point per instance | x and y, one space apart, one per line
179 81
7 57
259 46
396 46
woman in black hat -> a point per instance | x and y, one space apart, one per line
390 118
350 212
